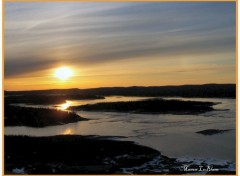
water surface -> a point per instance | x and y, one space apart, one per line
173 135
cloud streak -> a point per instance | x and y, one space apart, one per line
39 35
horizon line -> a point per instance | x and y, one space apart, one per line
122 87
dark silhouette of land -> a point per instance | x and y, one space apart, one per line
70 154
206 90
37 117
160 106
212 131
74 154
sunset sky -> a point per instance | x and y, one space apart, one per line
118 44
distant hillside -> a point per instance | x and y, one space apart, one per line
206 90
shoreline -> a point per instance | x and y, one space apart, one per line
38 117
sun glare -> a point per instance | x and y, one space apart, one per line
64 106
63 73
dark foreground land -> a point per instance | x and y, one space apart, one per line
37 117
205 90
73 154
160 106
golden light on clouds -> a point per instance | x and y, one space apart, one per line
63 73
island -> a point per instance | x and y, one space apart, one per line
212 131
155 105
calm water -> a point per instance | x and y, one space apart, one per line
173 135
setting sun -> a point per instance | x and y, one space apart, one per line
63 73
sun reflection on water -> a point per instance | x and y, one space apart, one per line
68 131
64 106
